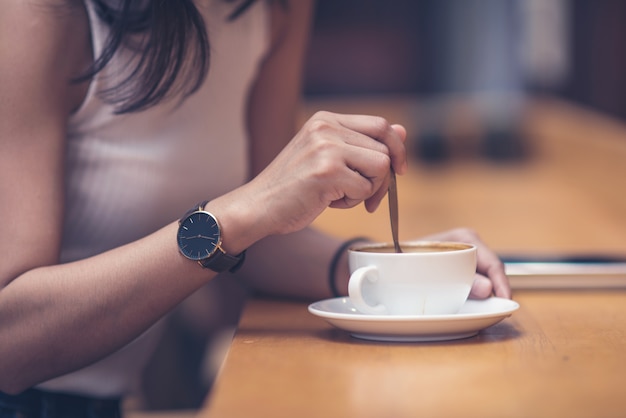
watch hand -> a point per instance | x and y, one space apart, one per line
205 237
199 236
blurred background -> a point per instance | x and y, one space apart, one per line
493 52
510 105
570 48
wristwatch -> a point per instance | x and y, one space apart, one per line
199 239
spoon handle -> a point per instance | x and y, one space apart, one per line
392 196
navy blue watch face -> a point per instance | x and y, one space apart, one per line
198 236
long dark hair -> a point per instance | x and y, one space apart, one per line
174 46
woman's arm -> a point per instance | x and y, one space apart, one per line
276 94
57 318
293 265
297 265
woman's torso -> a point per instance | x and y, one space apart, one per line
128 175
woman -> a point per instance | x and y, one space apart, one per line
111 130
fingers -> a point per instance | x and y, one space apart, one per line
389 140
355 187
333 160
490 265
481 288
373 202
377 128
373 146
400 130
496 273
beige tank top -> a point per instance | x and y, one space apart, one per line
129 175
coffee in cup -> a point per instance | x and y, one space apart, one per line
427 278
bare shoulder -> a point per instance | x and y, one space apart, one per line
44 44
289 16
276 92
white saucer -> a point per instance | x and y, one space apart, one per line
474 316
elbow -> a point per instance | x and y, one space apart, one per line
11 387
12 382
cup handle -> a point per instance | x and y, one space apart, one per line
355 286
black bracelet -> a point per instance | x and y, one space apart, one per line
332 279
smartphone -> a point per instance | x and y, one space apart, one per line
565 271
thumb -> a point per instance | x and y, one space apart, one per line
400 130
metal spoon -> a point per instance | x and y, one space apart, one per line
392 196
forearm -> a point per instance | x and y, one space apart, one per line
59 318
296 265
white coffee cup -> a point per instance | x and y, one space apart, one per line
427 278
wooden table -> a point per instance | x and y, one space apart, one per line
562 354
